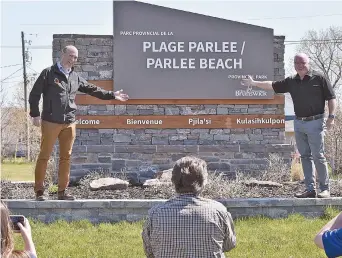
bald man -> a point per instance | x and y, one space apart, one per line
309 91
59 84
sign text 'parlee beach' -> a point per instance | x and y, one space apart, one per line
193 47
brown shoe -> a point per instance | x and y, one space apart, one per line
306 194
324 194
40 196
64 196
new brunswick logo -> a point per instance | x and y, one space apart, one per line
249 92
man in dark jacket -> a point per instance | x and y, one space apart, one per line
59 85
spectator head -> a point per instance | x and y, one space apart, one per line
189 175
7 242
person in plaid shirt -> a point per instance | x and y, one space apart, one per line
188 225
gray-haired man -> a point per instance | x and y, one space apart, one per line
310 91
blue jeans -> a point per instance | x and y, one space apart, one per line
310 143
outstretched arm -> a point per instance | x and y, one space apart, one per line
278 86
266 85
100 93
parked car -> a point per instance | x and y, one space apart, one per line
20 154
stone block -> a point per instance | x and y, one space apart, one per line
97 167
135 149
100 148
105 159
219 166
176 149
122 138
118 164
219 137
160 140
218 148
79 149
216 131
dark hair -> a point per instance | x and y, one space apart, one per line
189 175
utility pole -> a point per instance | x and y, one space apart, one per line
25 98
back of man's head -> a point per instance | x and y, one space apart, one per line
189 175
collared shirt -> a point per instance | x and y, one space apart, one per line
190 227
66 72
308 95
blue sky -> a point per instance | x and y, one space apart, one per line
41 19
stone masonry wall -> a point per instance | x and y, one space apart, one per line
99 211
142 152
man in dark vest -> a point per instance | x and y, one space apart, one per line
309 91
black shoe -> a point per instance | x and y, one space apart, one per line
306 194
64 196
40 196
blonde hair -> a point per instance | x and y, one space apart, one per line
7 242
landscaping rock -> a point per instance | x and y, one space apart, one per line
164 175
155 182
262 183
108 184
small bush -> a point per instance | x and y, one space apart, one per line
277 170
296 172
53 188
14 161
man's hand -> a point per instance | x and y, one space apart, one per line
248 81
36 121
329 123
119 95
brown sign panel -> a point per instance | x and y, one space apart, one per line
184 121
83 99
164 53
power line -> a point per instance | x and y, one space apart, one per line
297 43
12 77
9 65
11 74
31 47
286 41
294 17
32 69
314 40
13 82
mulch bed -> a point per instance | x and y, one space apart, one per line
11 190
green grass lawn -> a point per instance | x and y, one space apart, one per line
256 237
17 171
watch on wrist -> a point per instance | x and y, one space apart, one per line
331 116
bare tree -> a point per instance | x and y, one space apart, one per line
333 144
4 104
13 125
325 51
